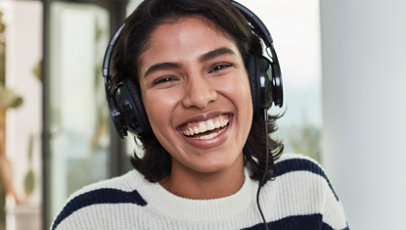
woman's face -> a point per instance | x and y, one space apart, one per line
196 94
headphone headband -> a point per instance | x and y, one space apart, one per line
109 51
250 16
256 22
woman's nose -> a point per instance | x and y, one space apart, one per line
198 92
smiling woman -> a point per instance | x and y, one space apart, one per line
190 81
198 93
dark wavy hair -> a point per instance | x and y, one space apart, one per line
155 164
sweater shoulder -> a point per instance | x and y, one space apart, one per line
290 163
116 190
307 192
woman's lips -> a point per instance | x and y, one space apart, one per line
207 133
216 123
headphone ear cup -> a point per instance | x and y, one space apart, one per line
260 75
115 113
252 76
129 101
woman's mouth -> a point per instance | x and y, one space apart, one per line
207 129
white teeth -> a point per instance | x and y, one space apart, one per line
209 136
210 125
203 126
187 132
195 131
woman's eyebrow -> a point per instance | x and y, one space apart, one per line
215 53
161 66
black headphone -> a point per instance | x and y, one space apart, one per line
125 104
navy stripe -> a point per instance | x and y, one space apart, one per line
292 165
99 196
307 222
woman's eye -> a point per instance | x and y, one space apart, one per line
220 67
163 80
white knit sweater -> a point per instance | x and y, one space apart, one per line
300 197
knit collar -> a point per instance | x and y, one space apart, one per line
165 203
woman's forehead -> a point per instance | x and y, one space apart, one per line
177 24
191 36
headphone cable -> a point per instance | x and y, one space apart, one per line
263 179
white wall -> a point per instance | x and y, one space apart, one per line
364 108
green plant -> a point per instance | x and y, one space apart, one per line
29 179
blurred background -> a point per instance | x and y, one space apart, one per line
344 70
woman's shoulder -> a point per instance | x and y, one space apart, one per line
116 190
121 184
304 193
291 156
126 181
294 162
298 167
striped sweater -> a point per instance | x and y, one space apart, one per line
300 197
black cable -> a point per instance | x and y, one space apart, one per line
263 179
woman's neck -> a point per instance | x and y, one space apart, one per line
197 185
